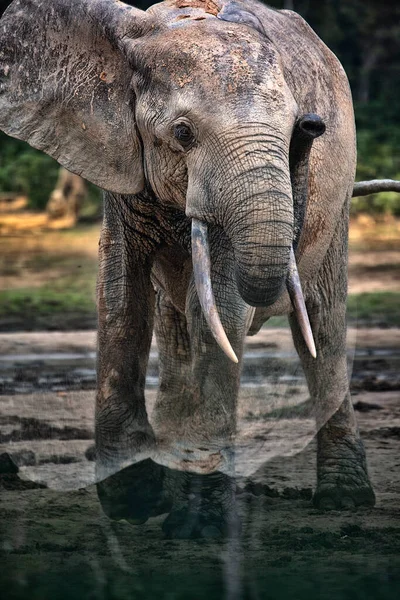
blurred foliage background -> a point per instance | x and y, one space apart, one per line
364 34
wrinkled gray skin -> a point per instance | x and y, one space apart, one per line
101 87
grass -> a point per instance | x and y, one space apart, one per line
381 309
61 306
48 280
377 309
45 301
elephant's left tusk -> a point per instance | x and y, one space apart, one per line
202 279
297 299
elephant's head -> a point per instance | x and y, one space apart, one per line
192 101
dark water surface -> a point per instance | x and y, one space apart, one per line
58 544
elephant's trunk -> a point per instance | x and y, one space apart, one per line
202 277
260 226
255 209
261 243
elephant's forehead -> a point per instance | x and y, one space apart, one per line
203 52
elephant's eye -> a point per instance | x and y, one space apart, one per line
184 135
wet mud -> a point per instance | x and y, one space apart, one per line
56 543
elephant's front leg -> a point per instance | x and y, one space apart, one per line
129 482
199 450
342 478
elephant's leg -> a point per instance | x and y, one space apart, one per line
199 500
174 397
342 478
204 414
129 481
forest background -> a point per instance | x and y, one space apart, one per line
364 34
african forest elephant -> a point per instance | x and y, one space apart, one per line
223 134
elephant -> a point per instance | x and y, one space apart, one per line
222 133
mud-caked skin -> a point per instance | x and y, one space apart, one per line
238 116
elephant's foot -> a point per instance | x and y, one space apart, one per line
343 481
135 493
203 507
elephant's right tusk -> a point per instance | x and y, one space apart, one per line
297 298
202 278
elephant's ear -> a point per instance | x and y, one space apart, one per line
65 85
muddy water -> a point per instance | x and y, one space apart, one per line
371 368
56 543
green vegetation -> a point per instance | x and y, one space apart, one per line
31 173
26 171
49 281
378 308
64 303
47 300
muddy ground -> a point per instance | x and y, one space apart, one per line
56 542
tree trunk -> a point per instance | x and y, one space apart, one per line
67 197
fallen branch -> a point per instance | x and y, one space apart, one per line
363 188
